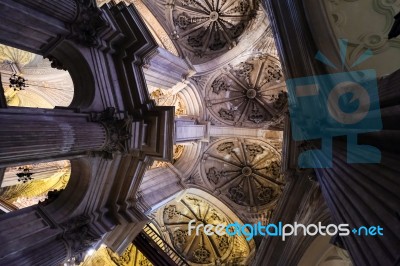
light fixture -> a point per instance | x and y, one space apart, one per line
25 175
17 82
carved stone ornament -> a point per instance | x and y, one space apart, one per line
251 94
205 27
167 98
245 171
78 236
118 132
88 23
51 196
55 63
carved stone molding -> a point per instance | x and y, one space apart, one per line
168 98
55 63
250 94
119 132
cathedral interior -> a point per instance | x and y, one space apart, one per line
121 121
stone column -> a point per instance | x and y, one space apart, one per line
356 194
37 27
28 135
365 195
35 135
43 24
30 238
164 70
33 237
64 10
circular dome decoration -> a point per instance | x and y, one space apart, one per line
244 171
210 26
250 94
202 249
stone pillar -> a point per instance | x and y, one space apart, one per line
365 195
34 135
33 237
356 194
36 239
29 135
37 29
43 24
64 10
164 70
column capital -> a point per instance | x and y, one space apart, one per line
79 237
87 24
119 132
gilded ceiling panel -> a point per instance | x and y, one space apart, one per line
202 249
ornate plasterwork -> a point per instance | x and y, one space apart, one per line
177 153
351 20
202 249
245 172
209 27
167 98
250 94
266 44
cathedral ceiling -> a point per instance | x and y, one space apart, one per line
46 87
16 56
202 249
351 20
249 94
210 27
245 172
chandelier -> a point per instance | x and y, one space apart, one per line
25 175
17 82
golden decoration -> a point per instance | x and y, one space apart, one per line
22 194
106 257
166 98
177 153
